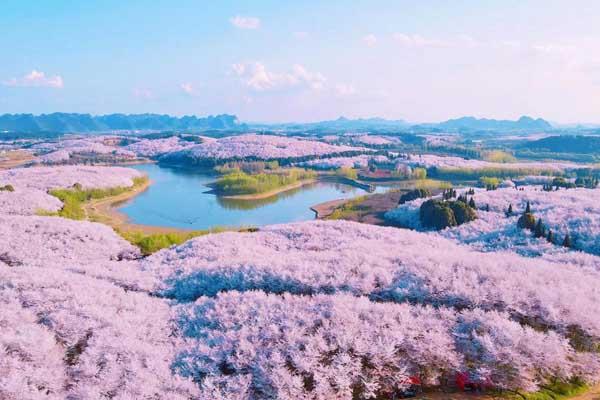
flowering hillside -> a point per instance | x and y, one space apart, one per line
63 150
320 309
360 161
431 160
157 147
32 184
76 320
263 147
375 140
572 211
330 257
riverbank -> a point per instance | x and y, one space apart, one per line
270 193
368 209
105 211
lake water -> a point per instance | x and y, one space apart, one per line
177 198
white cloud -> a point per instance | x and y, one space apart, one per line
36 79
315 80
414 40
370 40
188 88
245 22
345 90
256 76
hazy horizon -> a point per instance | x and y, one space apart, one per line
269 62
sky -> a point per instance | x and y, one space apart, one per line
276 60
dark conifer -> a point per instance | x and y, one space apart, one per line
567 241
550 237
540 230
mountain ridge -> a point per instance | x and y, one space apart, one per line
82 123
76 122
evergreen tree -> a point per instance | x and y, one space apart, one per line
472 203
510 210
540 230
528 208
567 241
487 207
550 237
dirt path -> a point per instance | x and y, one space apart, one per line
592 394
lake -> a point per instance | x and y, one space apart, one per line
178 198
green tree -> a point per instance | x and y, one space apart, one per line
567 241
462 212
472 203
540 229
509 212
414 194
436 214
526 221
528 208
419 173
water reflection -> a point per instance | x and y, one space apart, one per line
179 198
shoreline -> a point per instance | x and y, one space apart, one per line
105 211
270 193
324 210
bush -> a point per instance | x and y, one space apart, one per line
490 183
74 198
436 214
414 194
7 188
527 221
152 243
347 172
588 182
499 156
443 214
419 173
463 213
562 182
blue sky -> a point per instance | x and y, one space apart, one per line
303 61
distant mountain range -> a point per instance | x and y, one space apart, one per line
345 124
483 124
70 122
77 123
464 124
